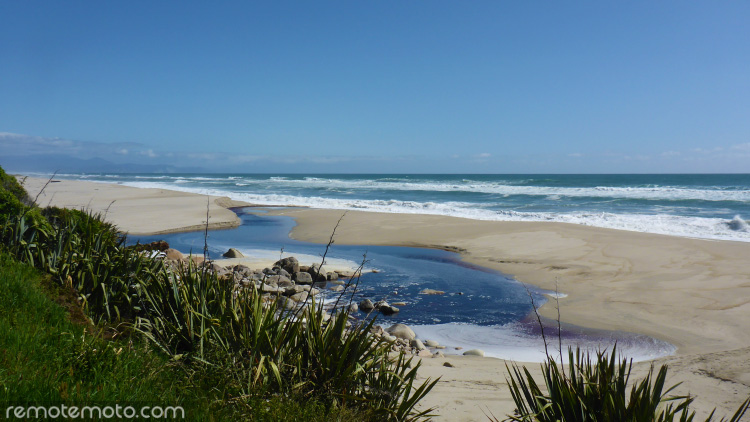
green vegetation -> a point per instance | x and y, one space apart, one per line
598 389
185 334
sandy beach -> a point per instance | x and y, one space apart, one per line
692 293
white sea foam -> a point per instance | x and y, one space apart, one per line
512 342
675 225
651 192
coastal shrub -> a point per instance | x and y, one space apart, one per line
598 389
10 184
259 346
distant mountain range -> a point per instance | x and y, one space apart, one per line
68 164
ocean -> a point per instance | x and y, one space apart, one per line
709 206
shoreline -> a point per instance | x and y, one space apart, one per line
692 293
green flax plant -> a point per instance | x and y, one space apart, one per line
598 389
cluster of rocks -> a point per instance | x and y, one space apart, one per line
293 284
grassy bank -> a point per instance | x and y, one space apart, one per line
52 355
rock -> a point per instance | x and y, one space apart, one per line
304 268
366 305
440 347
317 272
290 264
431 292
285 282
301 296
338 282
431 343
337 288
353 308
266 288
458 347
388 310
389 338
385 308
286 303
399 303
233 253
474 352
285 273
448 364
400 331
330 276
424 354
417 344
345 274
302 278
438 355
174 254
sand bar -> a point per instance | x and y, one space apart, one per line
134 210
692 293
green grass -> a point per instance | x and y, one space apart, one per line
48 354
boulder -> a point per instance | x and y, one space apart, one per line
448 364
197 259
401 331
301 296
286 303
474 352
233 253
318 273
431 343
337 288
353 308
285 282
417 344
174 254
385 308
438 354
366 305
388 310
302 278
330 276
431 292
290 264
424 353
266 288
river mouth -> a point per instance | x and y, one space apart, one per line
480 308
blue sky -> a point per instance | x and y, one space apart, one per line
422 86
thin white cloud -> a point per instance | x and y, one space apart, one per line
149 153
